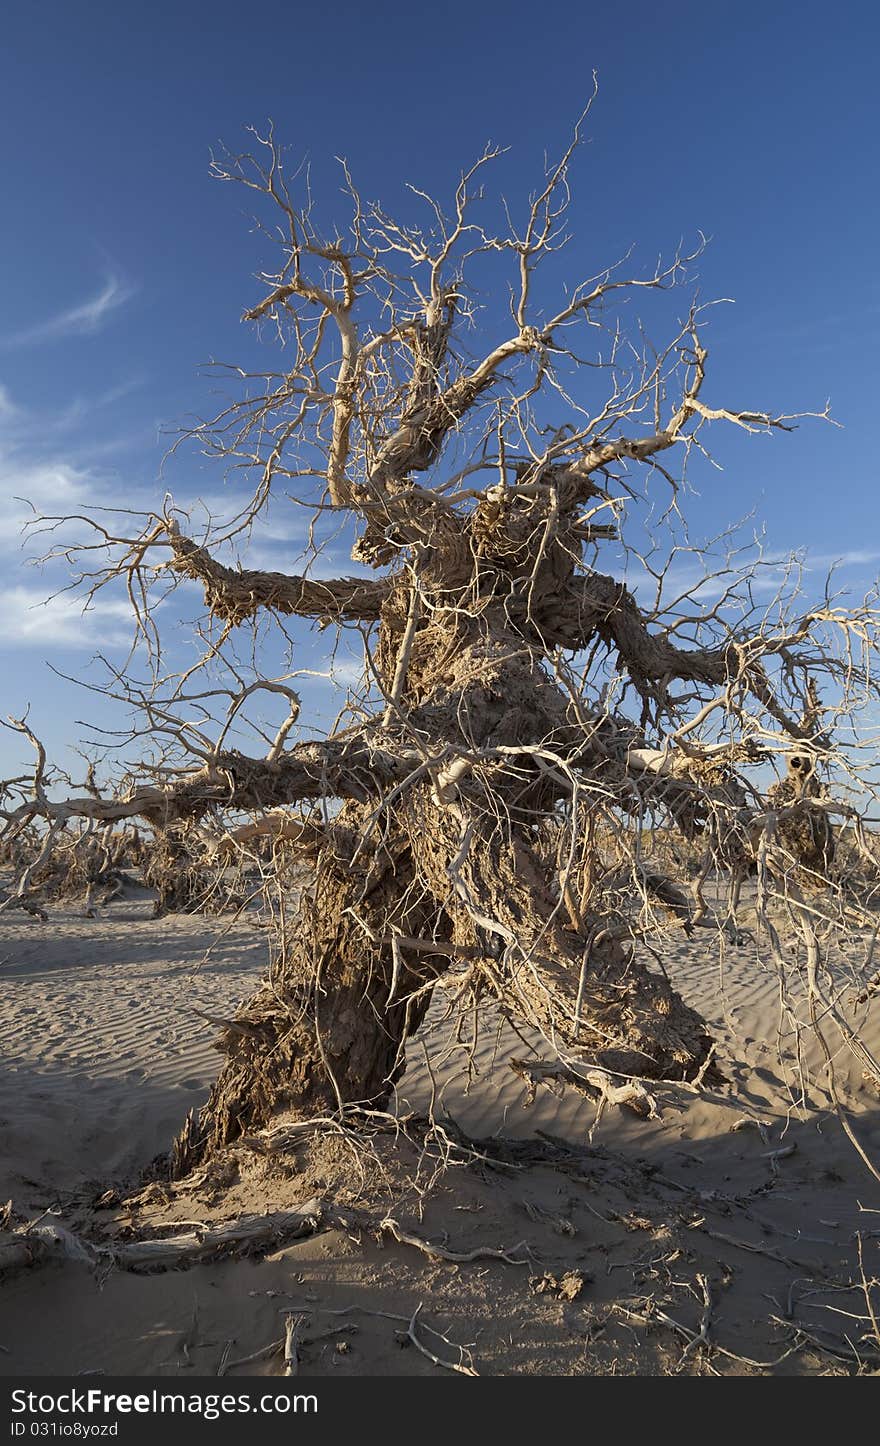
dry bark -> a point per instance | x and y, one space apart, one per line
329 1025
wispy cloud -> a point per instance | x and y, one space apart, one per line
84 319
50 464
83 408
28 490
29 620
346 672
8 410
847 557
786 571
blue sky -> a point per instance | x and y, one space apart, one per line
125 266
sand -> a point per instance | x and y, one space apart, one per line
624 1231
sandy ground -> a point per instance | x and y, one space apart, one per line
102 1054
629 1242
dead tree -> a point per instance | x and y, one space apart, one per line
523 705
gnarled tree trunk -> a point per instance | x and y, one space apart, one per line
329 1024
453 863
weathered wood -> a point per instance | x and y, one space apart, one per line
49 1239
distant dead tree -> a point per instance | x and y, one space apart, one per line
480 819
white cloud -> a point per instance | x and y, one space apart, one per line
771 572
849 557
28 619
47 488
35 482
84 319
41 476
347 672
266 554
282 538
8 409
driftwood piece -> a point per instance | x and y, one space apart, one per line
50 1240
293 1325
596 1084
462 1367
440 1252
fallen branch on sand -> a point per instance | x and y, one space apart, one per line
596 1084
439 1252
293 1325
47 1240
464 1366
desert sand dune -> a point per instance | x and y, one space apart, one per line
103 1054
